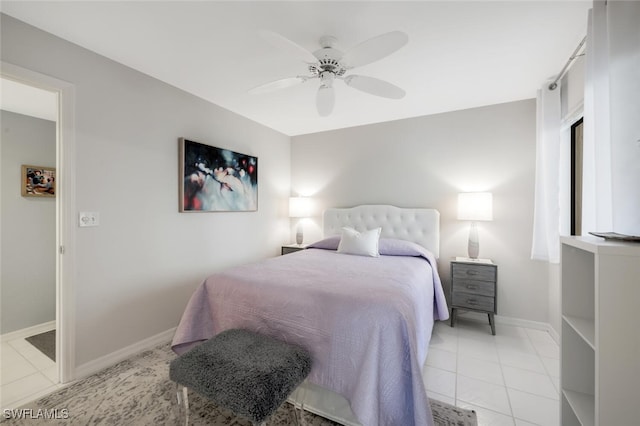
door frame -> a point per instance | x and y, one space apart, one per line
577 149
65 208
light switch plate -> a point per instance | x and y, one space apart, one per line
88 219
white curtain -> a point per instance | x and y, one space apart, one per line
611 158
623 61
597 186
546 219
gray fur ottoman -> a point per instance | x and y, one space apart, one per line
246 372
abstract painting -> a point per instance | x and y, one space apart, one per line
216 179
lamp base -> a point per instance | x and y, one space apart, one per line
299 235
474 243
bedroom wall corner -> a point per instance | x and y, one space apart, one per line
425 162
136 271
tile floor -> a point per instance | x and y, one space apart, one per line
25 373
511 378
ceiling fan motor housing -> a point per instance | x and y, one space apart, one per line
328 60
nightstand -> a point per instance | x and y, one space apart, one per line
473 287
290 248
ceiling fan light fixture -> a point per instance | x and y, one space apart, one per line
327 78
325 99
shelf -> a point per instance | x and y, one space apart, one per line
599 296
585 328
598 245
582 405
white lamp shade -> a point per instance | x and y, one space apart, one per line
475 206
299 207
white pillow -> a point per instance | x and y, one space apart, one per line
360 243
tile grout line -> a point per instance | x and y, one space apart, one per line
38 370
537 355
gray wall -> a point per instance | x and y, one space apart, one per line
426 162
136 271
28 269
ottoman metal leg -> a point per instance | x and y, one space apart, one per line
302 399
182 395
297 401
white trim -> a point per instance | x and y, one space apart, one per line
65 208
554 334
518 322
29 331
572 116
113 358
515 322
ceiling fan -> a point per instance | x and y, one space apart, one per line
328 64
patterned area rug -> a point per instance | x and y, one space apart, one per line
138 392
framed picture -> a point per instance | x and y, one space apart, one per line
38 181
216 180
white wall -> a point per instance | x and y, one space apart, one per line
136 271
572 88
28 272
425 162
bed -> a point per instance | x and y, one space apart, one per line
366 320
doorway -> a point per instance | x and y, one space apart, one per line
29 119
63 246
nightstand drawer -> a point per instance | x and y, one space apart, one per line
483 288
474 272
473 301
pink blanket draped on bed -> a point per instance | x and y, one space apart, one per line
366 321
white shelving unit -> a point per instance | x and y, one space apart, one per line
600 340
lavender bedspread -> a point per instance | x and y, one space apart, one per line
366 321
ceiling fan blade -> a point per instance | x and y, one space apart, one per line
325 100
289 46
375 86
373 49
277 85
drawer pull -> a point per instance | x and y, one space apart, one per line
472 286
472 301
472 272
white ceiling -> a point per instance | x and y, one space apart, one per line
461 54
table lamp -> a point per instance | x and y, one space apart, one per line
475 206
299 207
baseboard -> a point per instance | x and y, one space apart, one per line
554 334
29 331
518 322
113 358
536 325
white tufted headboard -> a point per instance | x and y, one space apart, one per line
421 226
